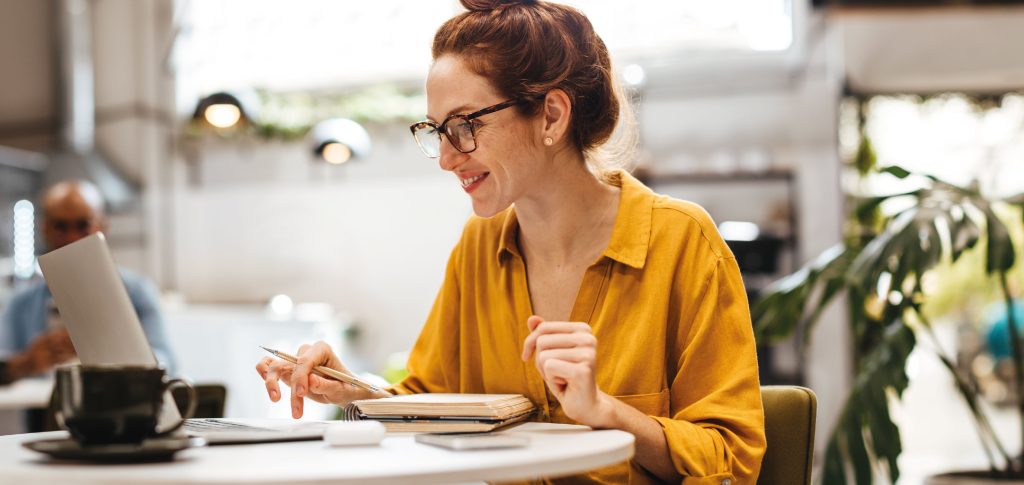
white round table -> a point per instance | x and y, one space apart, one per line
554 450
32 393
26 394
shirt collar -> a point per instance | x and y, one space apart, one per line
631 233
509 230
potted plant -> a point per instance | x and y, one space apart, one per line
881 274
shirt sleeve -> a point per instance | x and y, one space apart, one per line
20 322
8 345
144 298
434 360
716 428
17 325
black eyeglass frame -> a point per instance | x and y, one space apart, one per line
80 225
442 129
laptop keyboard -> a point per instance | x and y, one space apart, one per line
215 425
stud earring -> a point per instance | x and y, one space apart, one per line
548 141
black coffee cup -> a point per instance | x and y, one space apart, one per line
105 404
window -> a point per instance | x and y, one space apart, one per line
305 44
947 136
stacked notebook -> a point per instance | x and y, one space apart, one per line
443 413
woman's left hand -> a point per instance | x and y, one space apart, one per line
565 354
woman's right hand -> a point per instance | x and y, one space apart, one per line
304 383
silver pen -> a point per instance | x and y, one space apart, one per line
327 372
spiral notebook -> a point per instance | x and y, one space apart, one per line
443 413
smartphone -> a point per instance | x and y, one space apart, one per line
473 441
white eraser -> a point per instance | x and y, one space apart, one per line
354 433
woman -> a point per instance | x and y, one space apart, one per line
602 302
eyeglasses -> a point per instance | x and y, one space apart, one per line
73 225
459 129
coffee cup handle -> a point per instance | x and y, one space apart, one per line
56 404
192 402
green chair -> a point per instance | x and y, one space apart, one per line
789 414
210 400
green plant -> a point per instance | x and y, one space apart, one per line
881 274
290 115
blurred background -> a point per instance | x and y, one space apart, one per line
258 168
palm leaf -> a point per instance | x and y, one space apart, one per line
964 234
883 252
895 171
870 204
865 159
866 413
784 304
1000 251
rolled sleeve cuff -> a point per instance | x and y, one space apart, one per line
698 454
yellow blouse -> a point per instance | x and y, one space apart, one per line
668 308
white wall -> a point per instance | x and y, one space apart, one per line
130 39
966 49
371 237
134 104
28 105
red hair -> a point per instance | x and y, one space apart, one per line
526 48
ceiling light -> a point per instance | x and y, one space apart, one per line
738 230
339 140
336 153
225 110
634 75
222 115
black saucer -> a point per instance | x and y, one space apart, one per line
154 449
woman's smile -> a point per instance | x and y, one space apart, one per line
471 182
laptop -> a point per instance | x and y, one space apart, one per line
104 328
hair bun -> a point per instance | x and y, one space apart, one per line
488 5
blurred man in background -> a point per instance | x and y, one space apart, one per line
32 337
